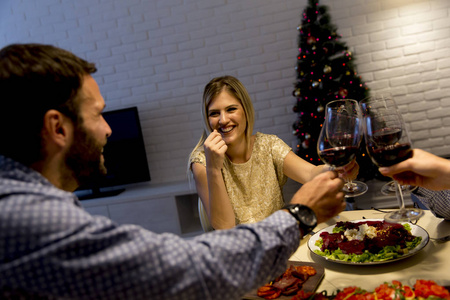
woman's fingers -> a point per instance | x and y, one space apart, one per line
215 149
214 142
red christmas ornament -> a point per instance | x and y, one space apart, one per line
305 144
343 92
311 40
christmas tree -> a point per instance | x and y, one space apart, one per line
325 72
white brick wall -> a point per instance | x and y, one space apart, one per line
159 54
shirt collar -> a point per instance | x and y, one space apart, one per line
13 170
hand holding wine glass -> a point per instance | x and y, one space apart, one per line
423 169
388 143
390 188
340 138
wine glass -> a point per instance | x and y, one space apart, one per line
340 138
390 187
388 143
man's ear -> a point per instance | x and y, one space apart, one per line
57 128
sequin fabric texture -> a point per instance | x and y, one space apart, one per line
51 248
255 187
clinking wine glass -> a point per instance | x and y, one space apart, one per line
390 187
388 143
340 138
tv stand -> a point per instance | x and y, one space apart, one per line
98 193
170 207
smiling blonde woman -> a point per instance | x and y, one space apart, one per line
239 175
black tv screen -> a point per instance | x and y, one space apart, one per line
125 156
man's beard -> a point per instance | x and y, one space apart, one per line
84 158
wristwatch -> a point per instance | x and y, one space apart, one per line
304 215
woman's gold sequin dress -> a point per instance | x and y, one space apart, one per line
255 187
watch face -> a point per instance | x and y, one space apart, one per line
308 219
307 216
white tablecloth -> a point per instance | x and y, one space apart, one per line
431 263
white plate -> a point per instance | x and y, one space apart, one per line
415 230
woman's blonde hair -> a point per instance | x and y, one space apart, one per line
235 88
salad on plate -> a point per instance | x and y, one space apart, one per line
366 241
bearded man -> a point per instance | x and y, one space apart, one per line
52 135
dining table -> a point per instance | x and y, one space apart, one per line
432 262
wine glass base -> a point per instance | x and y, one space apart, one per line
389 188
404 215
354 189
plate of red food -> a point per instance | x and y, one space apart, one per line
298 280
368 242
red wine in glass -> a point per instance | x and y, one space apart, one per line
390 136
387 136
340 138
390 155
338 156
388 143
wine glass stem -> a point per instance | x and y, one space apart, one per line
399 194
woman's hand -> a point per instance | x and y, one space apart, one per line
210 185
215 149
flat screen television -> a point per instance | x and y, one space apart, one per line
125 156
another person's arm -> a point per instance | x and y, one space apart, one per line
90 257
438 202
226 264
323 195
422 169
302 171
210 184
